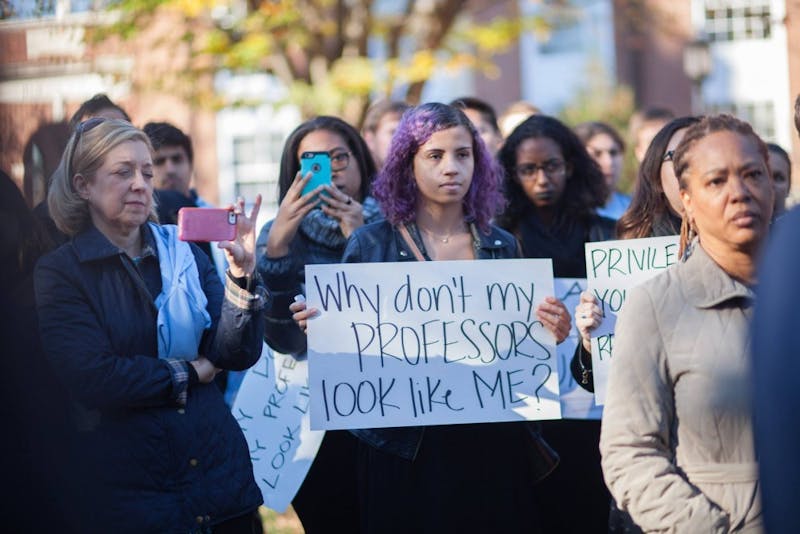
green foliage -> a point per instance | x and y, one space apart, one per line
319 49
605 102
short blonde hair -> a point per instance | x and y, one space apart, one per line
85 153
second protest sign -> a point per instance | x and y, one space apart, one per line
430 343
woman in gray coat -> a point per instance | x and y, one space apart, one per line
676 440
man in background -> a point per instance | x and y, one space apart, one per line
484 118
173 166
644 125
380 122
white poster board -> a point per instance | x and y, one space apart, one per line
576 402
612 268
430 343
272 408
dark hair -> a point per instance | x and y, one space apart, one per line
396 187
778 149
706 126
380 109
797 114
164 134
481 106
648 203
588 130
93 106
290 163
585 190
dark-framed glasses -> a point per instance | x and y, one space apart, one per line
82 128
339 161
553 167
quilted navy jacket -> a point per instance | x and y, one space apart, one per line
156 450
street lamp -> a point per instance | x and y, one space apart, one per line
697 66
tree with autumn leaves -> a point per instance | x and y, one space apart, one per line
333 56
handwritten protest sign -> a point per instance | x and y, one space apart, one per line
576 402
429 343
612 268
272 408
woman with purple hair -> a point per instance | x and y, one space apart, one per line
439 189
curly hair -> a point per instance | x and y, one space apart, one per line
585 190
290 163
648 202
396 187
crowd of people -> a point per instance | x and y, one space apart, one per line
126 339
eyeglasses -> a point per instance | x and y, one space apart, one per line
82 128
551 168
668 155
340 161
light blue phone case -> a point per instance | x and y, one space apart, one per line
319 165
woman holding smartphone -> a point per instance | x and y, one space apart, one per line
439 189
136 324
313 228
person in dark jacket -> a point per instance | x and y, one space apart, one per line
553 188
775 400
34 455
136 324
439 190
307 232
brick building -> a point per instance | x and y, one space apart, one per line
46 70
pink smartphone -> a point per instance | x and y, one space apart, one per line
206 224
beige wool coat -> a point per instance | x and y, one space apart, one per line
677 440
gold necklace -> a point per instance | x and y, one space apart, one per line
444 239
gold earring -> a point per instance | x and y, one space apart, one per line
687 236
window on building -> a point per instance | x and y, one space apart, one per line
256 163
567 28
33 9
760 115
735 20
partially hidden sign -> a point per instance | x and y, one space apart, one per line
576 402
612 268
272 408
430 343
